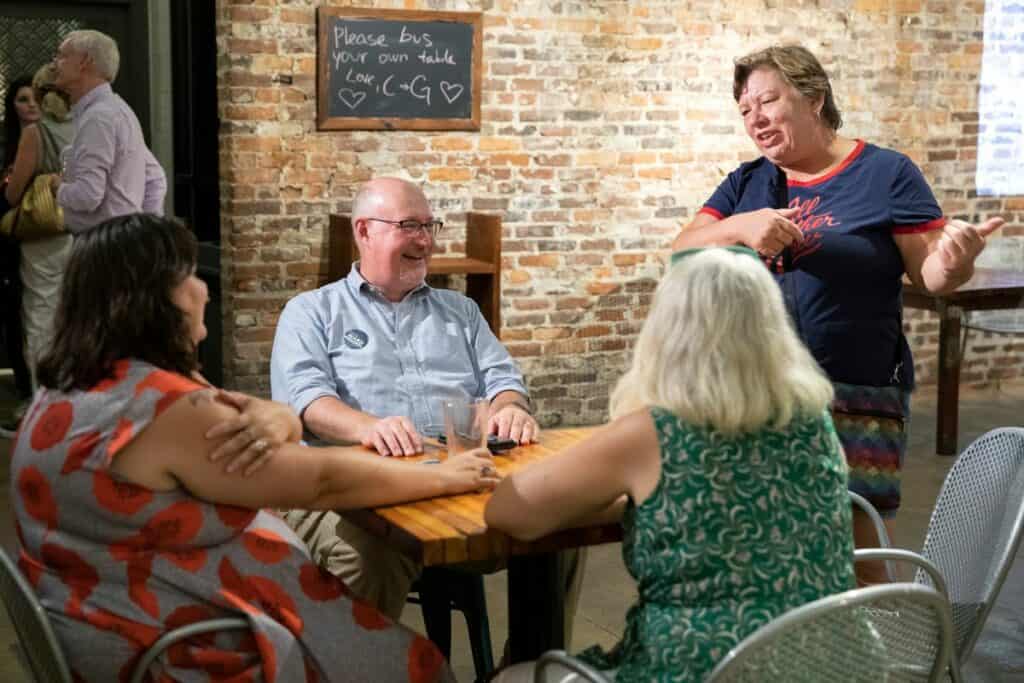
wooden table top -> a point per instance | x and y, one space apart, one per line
986 282
451 529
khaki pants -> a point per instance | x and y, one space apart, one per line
373 571
381 576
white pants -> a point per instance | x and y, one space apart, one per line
42 270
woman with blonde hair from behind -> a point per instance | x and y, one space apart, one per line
722 464
42 260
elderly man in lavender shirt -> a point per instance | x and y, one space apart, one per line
108 170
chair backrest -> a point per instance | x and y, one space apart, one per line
1001 253
976 528
553 665
179 634
38 642
892 632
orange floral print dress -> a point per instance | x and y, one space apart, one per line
116 565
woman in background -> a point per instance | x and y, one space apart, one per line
20 110
721 462
42 260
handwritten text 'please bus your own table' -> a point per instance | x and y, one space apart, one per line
360 68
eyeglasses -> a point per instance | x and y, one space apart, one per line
411 225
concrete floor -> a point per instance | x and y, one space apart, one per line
608 590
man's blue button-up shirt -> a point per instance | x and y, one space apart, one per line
347 341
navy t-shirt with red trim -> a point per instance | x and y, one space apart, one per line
844 284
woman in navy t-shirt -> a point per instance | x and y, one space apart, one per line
839 222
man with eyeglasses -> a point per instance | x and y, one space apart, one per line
369 358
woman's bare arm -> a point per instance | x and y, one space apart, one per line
173 450
584 484
942 260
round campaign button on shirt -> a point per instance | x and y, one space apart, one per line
355 339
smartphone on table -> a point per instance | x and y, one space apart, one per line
494 444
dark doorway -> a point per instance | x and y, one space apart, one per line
30 33
196 175
194 77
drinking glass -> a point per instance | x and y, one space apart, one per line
465 423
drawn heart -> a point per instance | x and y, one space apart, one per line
451 91
351 98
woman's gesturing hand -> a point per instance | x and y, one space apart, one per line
961 243
255 433
470 471
769 231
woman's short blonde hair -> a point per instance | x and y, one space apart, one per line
52 101
718 350
800 68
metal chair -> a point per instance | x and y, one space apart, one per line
39 643
584 672
1003 253
181 633
867 508
849 637
890 629
974 532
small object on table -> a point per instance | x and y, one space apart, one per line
494 444
465 423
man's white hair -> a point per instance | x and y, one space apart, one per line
718 350
101 49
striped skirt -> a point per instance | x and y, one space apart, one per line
871 423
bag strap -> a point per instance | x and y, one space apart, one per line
783 261
897 364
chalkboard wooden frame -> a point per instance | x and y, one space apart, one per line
325 121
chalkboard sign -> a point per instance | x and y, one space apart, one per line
396 69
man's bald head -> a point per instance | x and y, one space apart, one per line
386 193
392 259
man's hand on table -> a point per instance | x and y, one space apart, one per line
255 433
512 421
394 435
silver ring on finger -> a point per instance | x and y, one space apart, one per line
260 445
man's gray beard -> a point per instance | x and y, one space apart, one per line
411 277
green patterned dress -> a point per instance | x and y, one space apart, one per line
738 530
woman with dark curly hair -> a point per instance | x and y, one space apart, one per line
128 527
20 110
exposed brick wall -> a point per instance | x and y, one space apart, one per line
606 124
